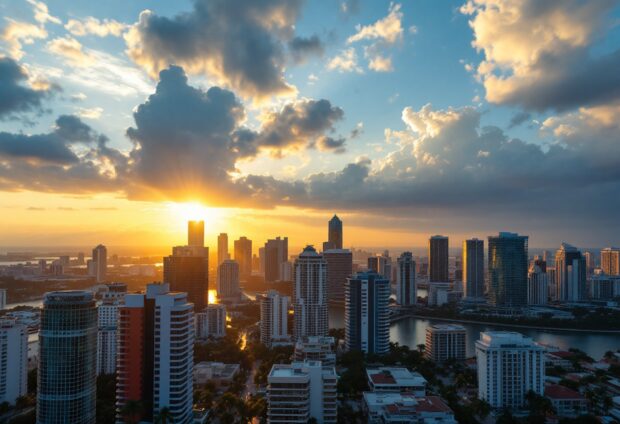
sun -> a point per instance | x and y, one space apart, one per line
194 211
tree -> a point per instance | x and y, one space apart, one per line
539 407
132 411
164 416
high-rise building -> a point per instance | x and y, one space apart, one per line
196 233
211 322
67 373
299 391
445 341
310 294
100 263
228 280
286 271
473 269
610 260
276 252
381 264
274 318
222 248
339 268
107 327
243 256
2 299
438 259
156 353
13 360
570 274
187 270
316 349
509 366
537 284
366 313
604 287
508 264
334 236
406 291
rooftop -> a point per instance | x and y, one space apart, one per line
394 376
556 391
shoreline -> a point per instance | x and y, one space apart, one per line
533 327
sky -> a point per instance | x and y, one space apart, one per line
120 120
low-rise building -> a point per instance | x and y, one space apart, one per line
394 379
401 408
211 322
217 372
565 401
316 348
445 341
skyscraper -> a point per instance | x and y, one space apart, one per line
107 324
100 263
310 294
610 260
228 280
67 373
473 269
438 259
406 293
276 252
156 353
445 341
187 270
274 318
570 274
508 264
196 233
14 360
222 248
243 256
334 236
366 313
509 365
339 268
537 284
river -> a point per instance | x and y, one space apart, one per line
412 332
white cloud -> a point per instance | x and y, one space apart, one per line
388 29
94 26
70 49
89 113
41 13
17 33
346 61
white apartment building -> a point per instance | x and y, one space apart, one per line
211 322
396 379
445 341
274 318
299 391
315 348
310 300
509 365
13 360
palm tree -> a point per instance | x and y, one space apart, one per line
164 416
132 411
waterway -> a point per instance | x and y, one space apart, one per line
412 332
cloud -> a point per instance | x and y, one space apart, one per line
349 7
94 26
70 49
346 61
519 118
16 33
15 95
89 113
388 29
238 44
302 48
41 13
541 55
327 144
379 63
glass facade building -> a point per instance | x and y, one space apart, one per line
508 266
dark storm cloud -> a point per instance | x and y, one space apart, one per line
519 118
15 95
327 143
301 48
240 43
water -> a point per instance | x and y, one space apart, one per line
412 332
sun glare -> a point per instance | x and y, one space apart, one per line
194 211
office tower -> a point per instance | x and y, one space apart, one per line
299 391
316 349
228 280
604 287
553 293
610 260
187 270
438 259
243 256
196 233
100 263
274 318
276 252
334 236
156 353
310 294
589 263
261 261
339 268
80 258
508 263
473 269
405 280
211 322
537 284
2 299
67 374
13 360
381 264
286 271
366 313
107 327
570 274
222 248
445 341
509 365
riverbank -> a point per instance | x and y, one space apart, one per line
502 324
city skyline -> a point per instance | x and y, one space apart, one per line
404 118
